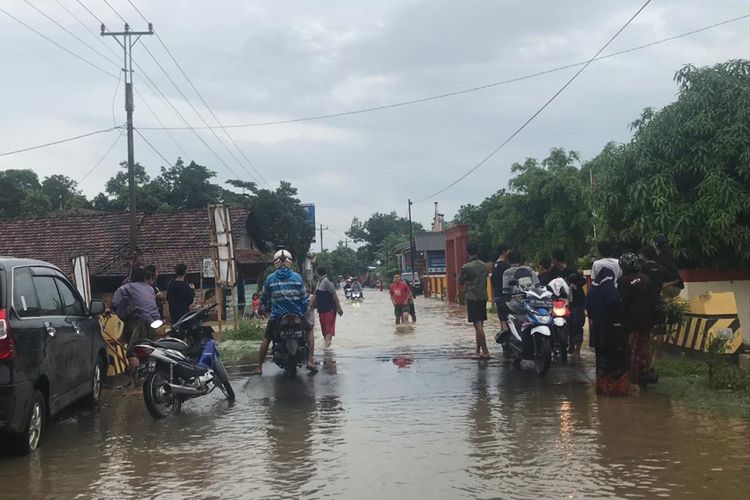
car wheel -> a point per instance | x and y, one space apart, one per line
97 381
27 441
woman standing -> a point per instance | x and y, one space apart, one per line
637 295
609 337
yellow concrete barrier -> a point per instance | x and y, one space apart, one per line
710 314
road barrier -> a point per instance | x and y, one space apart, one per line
711 314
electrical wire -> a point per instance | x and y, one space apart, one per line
116 13
60 141
117 139
114 96
171 136
200 116
152 147
190 82
478 88
81 58
86 28
538 111
89 11
66 30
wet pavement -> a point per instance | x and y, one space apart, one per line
395 412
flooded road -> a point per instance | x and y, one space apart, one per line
394 413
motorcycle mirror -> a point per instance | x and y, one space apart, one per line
513 282
157 324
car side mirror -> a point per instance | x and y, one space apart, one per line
96 307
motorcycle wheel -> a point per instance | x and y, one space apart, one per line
225 386
160 403
542 355
291 367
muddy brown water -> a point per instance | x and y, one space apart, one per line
394 413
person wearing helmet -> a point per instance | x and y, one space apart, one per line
285 290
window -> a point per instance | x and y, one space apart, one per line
49 298
25 301
72 304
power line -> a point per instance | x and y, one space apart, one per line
211 129
93 65
184 154
242 153
475 89
190 82
542 108
89 11
66 30
117 139
86 28
60 141
152 147
116 13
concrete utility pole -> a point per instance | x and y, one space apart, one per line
411 245
321 237
127 44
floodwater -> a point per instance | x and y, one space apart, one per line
394 413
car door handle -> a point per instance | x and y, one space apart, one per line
50 329
76 328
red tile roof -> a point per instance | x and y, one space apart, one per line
164 240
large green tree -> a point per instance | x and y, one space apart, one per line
341 261
375 230
686 171
276 219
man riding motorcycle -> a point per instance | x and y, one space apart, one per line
286 292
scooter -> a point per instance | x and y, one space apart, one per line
529 335
355 295
176 370
290 349
560 329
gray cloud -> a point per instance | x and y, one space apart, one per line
257 61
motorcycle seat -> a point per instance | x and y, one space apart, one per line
170 343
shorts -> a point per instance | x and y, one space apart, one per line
501 305
272 323
328 322
400 309
476 310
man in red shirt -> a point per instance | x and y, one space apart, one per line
400 295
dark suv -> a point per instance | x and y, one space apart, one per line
51 349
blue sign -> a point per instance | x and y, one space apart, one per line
309 209
436 264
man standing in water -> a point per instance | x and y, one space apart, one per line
327 301
400 295
474 277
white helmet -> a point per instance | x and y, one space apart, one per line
282 257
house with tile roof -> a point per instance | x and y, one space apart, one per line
164 240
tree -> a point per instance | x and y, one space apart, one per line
63 193
686 171
544 208
22 195
276 219
188 186
376 229
342 261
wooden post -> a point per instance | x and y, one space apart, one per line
234 306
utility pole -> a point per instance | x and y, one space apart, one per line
127 44
321 237
411 245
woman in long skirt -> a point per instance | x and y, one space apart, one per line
609 337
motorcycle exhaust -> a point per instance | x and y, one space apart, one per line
184 390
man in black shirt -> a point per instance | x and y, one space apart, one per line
180 294
546 271
560 267
498 268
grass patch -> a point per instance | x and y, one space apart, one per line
685 378
247 329
238 351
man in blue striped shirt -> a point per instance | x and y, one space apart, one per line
286 292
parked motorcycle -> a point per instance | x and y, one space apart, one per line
290 349
175 370
529 334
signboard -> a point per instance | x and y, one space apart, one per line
222 244
207 269
309 209
436 264
82 278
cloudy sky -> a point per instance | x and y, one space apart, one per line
260 61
